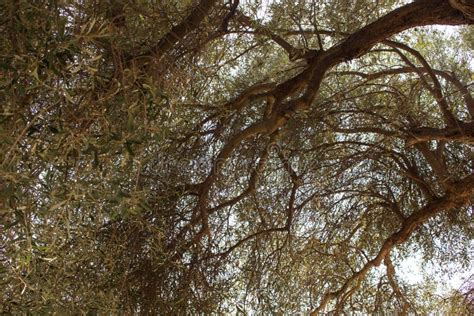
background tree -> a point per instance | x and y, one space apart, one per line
208 156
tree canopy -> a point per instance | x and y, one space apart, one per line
278 156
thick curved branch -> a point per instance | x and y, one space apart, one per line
465 6
459 194
418 13
178 32
463 134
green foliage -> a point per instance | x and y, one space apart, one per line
126 186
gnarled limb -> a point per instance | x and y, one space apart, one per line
459 194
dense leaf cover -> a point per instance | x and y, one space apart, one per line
178 156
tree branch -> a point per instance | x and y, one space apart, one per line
459 194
